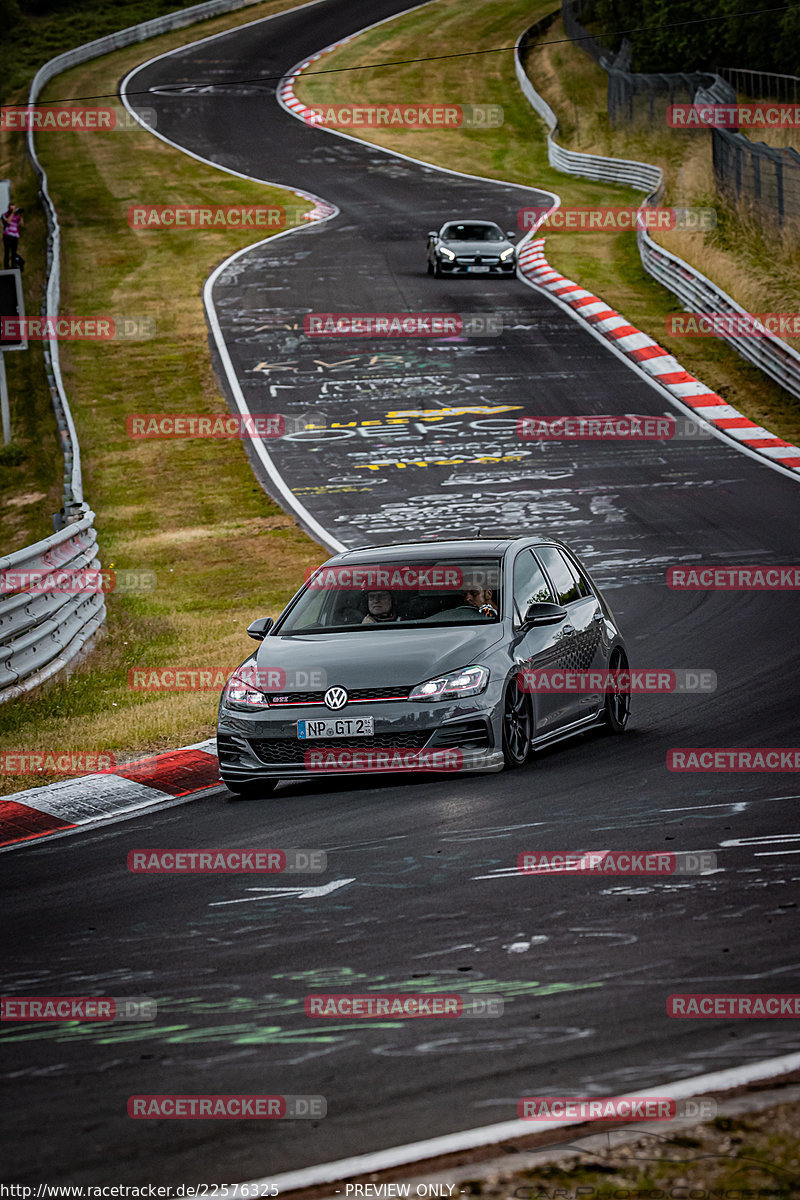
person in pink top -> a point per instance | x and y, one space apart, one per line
12 224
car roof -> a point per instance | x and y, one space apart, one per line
454 547
470 221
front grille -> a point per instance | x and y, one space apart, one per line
356 696
291 751
478 262
466 735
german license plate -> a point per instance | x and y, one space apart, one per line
477 270
339 728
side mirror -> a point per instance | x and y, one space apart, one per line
510 234
260 628
544 614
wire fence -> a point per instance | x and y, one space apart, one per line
759 179
762 180
696 292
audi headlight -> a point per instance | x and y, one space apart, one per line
468 682
239 690
507 253
447 253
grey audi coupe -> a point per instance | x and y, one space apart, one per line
419 657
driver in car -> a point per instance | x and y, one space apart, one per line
480 598
380 607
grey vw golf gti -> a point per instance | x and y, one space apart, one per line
415 656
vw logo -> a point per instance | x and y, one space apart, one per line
335 697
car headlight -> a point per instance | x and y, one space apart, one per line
468 682
447 253
239 690
507 253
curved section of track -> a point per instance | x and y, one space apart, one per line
584 965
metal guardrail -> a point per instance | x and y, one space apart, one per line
643 176
696 292
762 83
42 632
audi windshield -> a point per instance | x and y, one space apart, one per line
369 596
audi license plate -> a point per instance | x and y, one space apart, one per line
476 270
341 728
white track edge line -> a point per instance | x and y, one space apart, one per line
296 72
300 511
486 1135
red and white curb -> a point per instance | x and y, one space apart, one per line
657 362
27 816
638 347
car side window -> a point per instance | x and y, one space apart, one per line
568 583
584 587
530 584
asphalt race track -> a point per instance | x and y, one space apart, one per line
432 902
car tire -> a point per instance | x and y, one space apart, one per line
250 789
430 267
438 271
617 708
517 726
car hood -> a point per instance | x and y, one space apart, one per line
385 658
459 247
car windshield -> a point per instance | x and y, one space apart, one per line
473 233
397 595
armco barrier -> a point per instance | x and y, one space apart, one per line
697 293
41 633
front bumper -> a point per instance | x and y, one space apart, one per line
462 736
455 268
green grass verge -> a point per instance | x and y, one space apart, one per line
189 510
729 1158
606 263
